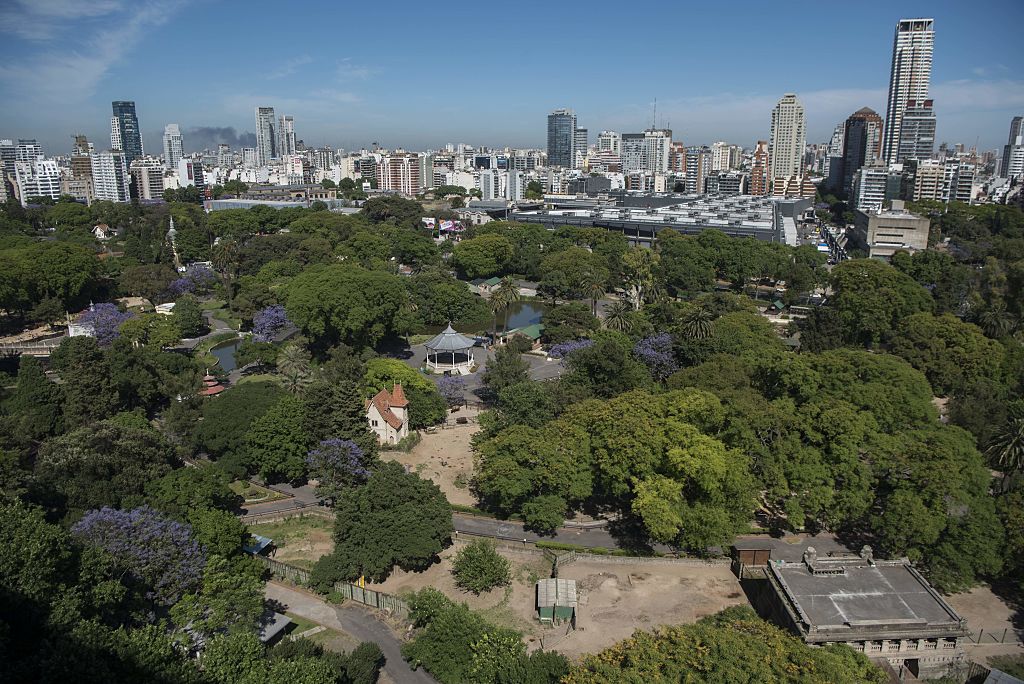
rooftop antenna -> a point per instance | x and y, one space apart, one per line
654 116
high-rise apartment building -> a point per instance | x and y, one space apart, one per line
115 134
561 138
110 179
1012 163
190 172
8 155
862 143
677 158
724 157
909 79
942 181
225 158
37 178
126 123
760 177
917 132
609 141
266 136
285 136
148 175
174 149
80 183
399 172
698 166
579 148
648 151
788 137
28 150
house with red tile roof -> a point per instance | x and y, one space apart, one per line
388 415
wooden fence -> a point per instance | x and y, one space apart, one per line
368 597
1003 635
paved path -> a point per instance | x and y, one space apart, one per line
790 548
356 621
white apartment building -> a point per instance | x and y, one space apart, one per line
110 179
285 136
725 157
37 178
609 141
648 151
173 146
115 134
515 186
190 172
909 79
788 138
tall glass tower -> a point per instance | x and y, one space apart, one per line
561 138
911 75
128 133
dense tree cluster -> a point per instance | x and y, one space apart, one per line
734 645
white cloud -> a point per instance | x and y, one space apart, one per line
289 67
43 19
68 73
347 70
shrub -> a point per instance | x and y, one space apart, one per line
478 567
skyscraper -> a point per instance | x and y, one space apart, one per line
173 147
266 136
862 143
579 148
909 79
1012 163
561 138
917 132
788 137
286 136
127 125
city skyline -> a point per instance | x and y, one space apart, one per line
64 63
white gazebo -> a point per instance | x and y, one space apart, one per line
450 353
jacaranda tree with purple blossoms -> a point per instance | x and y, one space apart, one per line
563 349
453 389
657 354
196 280
337 464
268 322
106 320
155 551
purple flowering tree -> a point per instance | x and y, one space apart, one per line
657 354
156 551
563 349
268 322
453 389
196 280
106 320
337 464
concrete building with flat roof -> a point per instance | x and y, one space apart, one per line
641 216
882 234
883 608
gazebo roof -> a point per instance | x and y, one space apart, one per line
449 341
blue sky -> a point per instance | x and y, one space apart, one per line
420 74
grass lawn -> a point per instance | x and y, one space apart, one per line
253 493
301 540
300 623
260 377
212 304
219 310
330 639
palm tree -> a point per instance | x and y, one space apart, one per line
617 316
1007 447
594 289
294 367
995 321
697 322
502 296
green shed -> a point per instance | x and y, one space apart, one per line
556 601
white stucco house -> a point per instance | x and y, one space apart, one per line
388 415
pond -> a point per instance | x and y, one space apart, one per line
521 314
225 354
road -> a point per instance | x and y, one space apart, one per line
356 621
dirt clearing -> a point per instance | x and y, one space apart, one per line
445 457
615 599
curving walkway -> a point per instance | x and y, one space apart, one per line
356 621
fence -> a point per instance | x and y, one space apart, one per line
368 597
1006 635
298 510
